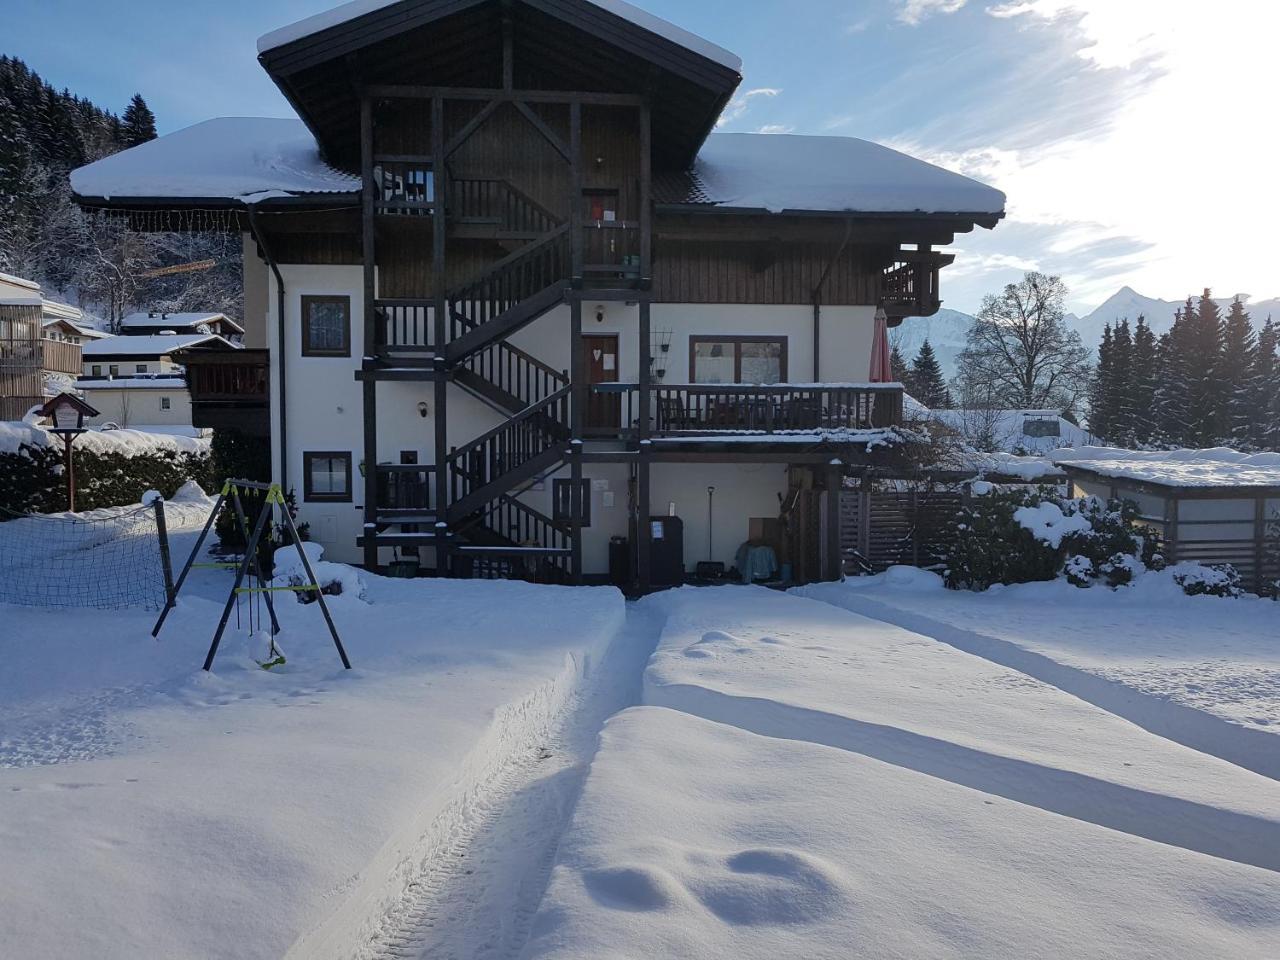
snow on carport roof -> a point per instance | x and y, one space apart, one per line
1215 467
778 172
229 158
641 18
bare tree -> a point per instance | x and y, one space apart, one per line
1022 352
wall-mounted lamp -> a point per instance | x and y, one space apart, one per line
599 313
423 409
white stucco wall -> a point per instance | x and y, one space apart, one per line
138 407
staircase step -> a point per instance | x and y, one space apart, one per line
507 322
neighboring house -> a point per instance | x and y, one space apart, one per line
141 380
64 333
1030 432
529 303
142 324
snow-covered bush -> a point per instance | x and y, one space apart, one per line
1198 580
991 545
112 469
1022 535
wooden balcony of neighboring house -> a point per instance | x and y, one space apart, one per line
761 413
229 390
61 356
909 284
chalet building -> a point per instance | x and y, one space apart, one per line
154 323
141 381
527 314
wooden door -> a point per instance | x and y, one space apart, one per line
603 409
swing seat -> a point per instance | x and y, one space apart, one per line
277 661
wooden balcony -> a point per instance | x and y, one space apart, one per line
909 284
692 410
229 390
62 356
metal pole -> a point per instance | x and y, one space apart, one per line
166 562
243 569
311 578
186 567
257 567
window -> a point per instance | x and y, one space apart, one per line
113 370
140 368
97 369
1042 428
326 477
737 359
562 497
326 326
165 403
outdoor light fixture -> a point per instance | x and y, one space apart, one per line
599 313
423 409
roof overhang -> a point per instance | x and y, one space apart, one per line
567 45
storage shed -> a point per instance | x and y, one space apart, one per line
1211 506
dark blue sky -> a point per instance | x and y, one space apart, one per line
1021 94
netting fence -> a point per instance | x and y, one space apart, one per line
107 560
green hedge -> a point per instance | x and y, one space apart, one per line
32 480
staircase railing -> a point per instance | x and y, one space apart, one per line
509 281
509 446
515 373
497 202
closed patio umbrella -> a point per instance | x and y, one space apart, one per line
881 368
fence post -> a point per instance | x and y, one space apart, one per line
166 560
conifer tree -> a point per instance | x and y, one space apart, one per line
1100 389
1120 394
1236 371
1207 411
927 380
898 366
1174 392
1265 399
1145 382
139 122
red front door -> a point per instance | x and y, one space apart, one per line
603 409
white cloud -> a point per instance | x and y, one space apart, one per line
742 102
1178 190
775 128
912 12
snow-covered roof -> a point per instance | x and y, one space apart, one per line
229 158
18 292
1215 467
176 321
619 8
132 383
790 172
253 158
1006 429
153 346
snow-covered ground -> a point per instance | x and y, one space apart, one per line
523 771
1203 669
806 782
150 810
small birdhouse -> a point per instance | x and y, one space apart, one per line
68 413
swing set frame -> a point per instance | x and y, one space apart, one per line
230 495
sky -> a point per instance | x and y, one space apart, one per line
1137 140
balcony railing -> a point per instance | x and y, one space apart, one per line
909 285
711 409
226 378
406 493
62 356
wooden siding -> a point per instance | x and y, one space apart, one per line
21 379
687 271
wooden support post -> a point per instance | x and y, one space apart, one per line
578 506
646 200
440 311
644 513
166 560
69 467
575 188
370 403
578 369
367 234
508 54
644 424
835 478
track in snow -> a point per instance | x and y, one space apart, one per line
476 899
